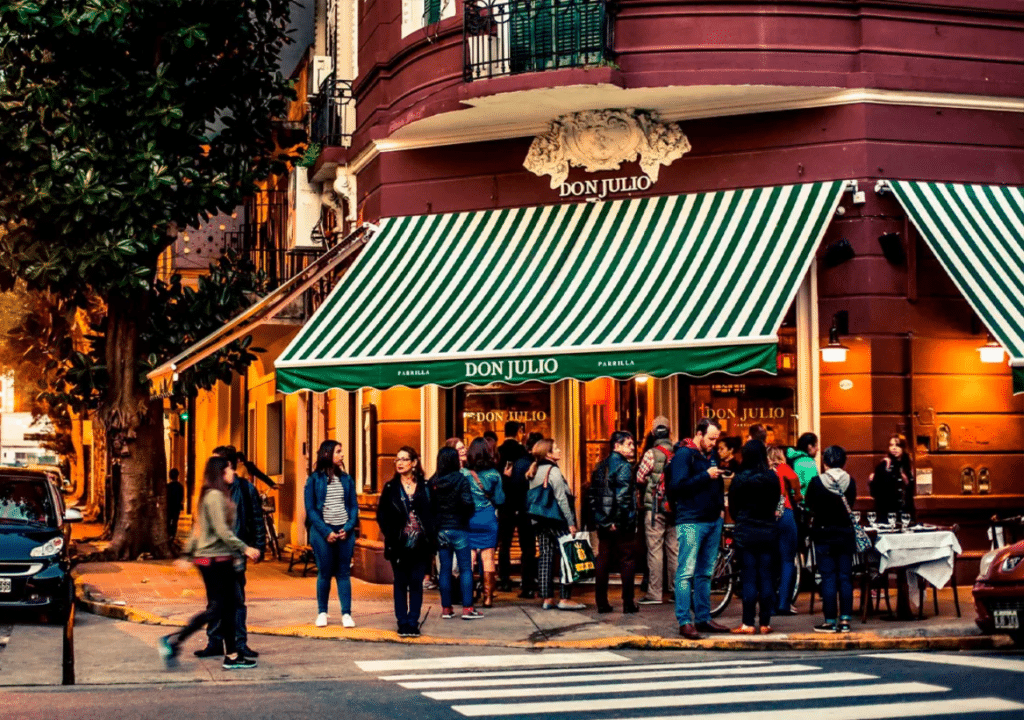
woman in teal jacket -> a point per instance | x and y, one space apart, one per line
488 495
332 513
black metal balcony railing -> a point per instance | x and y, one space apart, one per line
520 36
329 113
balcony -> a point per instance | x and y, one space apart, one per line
523 36
332 113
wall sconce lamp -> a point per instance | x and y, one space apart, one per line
641 379
835 351
838 252
892 248
991 351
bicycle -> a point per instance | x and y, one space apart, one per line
269 508
726 575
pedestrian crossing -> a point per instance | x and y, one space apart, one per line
581 685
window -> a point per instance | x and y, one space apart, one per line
419 14
275 438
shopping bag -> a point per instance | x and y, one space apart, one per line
577 558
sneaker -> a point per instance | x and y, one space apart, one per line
547 606
429 584
321 620
347 621
829 626
168 651
844 626
239 662
570 605
471 614
649 601
447 613
404 631
413 631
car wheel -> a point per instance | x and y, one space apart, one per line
59 612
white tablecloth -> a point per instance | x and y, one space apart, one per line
929 555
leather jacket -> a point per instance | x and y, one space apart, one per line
614 502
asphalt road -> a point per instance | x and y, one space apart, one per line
120 675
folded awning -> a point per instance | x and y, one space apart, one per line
977 233
689 284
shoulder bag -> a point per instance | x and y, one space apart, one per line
542 503
860 536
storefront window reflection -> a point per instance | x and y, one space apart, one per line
491 406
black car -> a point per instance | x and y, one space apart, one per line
35 539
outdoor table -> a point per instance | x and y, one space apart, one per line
924 553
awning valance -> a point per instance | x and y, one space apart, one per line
977 233
689 284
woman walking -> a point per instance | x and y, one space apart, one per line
754 502
332 513
405 520
487 496
891 485
451 503
789 485
214 548
829 499
552 516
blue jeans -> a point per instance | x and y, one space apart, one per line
698 549
787 553
836 568
758 589
455 542
333 561
408 590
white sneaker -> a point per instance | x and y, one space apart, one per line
321 620
347 621
570 605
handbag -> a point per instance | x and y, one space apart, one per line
577 558
541 502
860 535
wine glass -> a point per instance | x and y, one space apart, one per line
872 517
892 519
906 519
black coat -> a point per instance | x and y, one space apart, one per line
451 502
830 521
249 525
613 498
892 489
753 498
392 516
514 485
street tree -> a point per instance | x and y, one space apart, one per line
124 121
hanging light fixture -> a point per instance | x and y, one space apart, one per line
991 351
835 351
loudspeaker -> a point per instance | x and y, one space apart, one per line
838 252
892 248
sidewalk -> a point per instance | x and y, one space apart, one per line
282 603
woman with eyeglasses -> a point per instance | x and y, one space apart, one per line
406 522
332 513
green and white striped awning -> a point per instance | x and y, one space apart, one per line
689 284
977 233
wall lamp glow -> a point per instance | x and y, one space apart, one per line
641 379
835 351
991 351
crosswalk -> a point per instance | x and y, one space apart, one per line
580 685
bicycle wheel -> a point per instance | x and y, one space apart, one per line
722 581
272 544
798 569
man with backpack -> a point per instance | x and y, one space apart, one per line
659 527
697 488
613 505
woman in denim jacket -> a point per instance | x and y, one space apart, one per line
332 513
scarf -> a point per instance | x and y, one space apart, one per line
835 480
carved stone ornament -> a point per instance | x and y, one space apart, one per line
598 140
340 195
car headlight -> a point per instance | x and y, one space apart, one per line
986 562
48 549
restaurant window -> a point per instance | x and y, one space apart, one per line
275 437
489 407
610 405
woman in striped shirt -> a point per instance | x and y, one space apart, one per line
331 516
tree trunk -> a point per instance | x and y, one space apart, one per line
135 430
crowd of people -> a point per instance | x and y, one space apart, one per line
668 509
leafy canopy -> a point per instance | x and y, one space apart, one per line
123 121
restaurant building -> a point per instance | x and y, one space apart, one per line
582 215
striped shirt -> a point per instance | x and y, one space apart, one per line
334 504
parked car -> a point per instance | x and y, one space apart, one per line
35 543
56 476
999 589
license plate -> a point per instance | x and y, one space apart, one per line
1006 619
5 585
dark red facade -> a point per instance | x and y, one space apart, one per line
942 84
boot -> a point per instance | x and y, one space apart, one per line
489 583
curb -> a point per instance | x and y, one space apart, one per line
782 642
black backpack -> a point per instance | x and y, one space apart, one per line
596 489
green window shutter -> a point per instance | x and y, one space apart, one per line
431 11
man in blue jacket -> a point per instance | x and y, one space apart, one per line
696 486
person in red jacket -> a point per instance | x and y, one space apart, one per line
789 484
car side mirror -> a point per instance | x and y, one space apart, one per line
72 515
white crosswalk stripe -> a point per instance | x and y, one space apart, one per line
577 685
